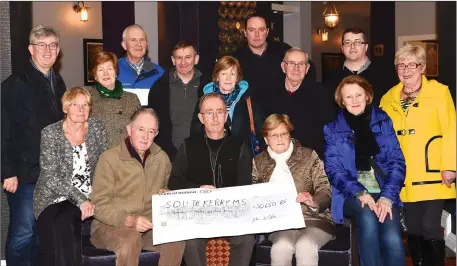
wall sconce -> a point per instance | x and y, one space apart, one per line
80 8
323 33
330 15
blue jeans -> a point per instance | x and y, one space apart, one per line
22 239
380 244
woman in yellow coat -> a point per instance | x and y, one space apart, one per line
424 120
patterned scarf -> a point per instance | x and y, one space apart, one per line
230 97
107 93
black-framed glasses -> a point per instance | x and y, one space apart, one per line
218 113
292 64
349 43
43 46
411 65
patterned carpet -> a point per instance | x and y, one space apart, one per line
217 252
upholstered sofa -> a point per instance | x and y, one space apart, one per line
92 256
342 251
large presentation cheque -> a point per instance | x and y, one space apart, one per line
205 213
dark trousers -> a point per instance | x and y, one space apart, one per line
379 243
423 218
22 239
59 229
240 251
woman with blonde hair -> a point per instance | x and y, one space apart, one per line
423 115
69 152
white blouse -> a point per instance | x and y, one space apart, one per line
80 178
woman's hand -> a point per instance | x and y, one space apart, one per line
208 187
163 190
366 198
384 208
447 177
87 210
307 199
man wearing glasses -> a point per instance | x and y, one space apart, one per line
308 104
30 102
354 47
213 161
260 60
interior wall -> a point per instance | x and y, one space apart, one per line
351 14
415 18
61 16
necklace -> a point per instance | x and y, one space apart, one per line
410 96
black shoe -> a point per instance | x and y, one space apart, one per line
415 246
433 252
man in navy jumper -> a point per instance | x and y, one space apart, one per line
136 71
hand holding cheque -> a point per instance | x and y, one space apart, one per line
205 213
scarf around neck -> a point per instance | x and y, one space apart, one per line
107 93
281 171
230 97
365 141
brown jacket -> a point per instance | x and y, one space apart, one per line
121 186
309 176
115 113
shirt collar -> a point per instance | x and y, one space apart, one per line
135 154
50 73
175 78
137 67
364 67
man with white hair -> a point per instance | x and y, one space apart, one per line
136 71
30 102
125 179
307 102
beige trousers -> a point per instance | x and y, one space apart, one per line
305 243
127 244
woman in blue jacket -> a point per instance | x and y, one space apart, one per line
366 169
228 82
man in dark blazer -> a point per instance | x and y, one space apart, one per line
30 101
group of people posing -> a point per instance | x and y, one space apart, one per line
355 146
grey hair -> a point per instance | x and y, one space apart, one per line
211 96
144 110
296 49
124 33
41 31
411 50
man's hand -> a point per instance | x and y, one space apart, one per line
87 210
10 184
447 177
163 190
208 187
140 223
143 224
307 199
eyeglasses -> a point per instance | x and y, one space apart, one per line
301 64
411 65
42 46
210 114
281 135
355 42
